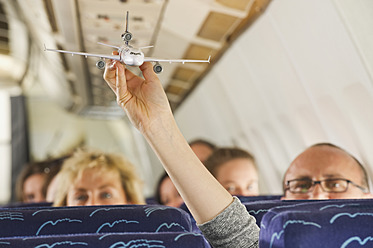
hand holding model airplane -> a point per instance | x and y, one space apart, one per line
129 55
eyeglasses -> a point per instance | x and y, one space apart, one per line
335 185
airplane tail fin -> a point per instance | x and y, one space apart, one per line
127 26
127 21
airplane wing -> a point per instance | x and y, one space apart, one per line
102 56
177 60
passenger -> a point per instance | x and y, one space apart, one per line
166 192
202 148
325 171
222 219
34 179
29 186
235 169
97 178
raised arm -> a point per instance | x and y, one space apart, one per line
146 105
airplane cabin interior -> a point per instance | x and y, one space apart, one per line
283 75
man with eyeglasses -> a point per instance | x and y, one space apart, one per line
325 171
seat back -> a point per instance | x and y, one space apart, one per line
330 223
133 240
92 219
259 208
26 205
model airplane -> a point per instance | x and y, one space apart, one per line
129 55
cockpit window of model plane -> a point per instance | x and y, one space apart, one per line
135 57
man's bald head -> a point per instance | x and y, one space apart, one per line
327 161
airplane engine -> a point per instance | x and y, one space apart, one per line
127 36
100 64
157 68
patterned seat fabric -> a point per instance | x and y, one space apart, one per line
128 240
328 223
92 219
259 208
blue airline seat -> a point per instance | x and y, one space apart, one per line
24 205
112 240
259 208
328 223
92 219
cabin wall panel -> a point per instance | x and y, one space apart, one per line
358 18
212 118
241 90
270 67
337 123
360 112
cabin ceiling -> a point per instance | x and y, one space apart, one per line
190 29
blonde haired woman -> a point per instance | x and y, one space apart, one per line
91 177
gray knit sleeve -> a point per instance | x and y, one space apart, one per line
234 227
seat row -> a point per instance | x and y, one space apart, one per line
330 223
312 223
98 226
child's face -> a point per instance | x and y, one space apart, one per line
97 187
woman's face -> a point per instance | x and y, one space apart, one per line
32 188
97 186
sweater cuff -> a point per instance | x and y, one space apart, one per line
233 227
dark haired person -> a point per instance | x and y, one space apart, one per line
35 178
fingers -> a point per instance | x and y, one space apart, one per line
122 92
148 72
110 73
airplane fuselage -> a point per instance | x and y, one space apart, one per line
131 56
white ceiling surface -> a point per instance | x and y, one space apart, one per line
302 74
